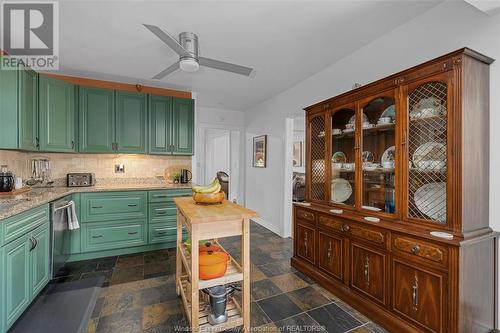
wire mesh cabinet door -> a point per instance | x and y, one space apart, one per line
318 163
427 142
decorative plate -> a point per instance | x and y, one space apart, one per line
341 190
430 199
389 155
427 107
353 119
339 157
368 156
390 111
430 151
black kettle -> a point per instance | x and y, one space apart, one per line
186 176
6 179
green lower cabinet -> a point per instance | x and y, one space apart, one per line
57 115
162 233
40 259
17 292
113 235
162 212
113 206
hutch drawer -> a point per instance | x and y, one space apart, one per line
305 215
332 223
368 272
417 249
375 237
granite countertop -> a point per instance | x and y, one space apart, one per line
12 205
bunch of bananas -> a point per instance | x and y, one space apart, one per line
213 187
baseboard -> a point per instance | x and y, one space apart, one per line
267 225
119 252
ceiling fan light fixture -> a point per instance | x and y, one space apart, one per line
189 65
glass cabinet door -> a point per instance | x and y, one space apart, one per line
317 182
378 124
427 151
343 159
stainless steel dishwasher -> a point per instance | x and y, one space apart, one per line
60 233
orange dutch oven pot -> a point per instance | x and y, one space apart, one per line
212 265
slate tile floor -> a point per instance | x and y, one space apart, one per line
139 293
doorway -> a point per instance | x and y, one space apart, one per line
217 153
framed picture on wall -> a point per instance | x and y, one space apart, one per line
259 151
297 153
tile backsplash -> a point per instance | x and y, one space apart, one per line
102 165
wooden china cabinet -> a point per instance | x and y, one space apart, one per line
396 221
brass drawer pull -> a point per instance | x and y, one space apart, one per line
305 215
345 228
415 249
414 288
367 269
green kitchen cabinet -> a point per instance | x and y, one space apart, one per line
16 285
131 116
113 235
160 120
40 259
171 125
9 109
97 120
28 110
182 126
57 115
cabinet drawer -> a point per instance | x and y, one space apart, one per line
113 206
422 250
305 242
331 255
20 224
419 296
162 232
305 215
331 223
160 212
107 236
167 196
368 272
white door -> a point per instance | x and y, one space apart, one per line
217 153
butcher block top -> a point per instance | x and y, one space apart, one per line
225 211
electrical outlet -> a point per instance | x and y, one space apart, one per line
119 168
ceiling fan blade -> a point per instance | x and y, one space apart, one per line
167 39
225 66
167 71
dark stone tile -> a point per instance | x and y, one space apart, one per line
77 268
160 294
173 324
124 322
288 282
63 279
127 274
130 261
257 316
308 298
279 307
105 264
120 302
106 274
334 318
156 257
263 289
96 313
299 323
360 317
276 268
159 268
304 277
374 328
161 313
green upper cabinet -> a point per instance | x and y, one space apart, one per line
28 110
160 120
131 115
57 116
97 120
183 126
171 128
9 108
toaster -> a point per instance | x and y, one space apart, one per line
80 179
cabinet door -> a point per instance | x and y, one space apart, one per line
331 255
28 110
40 259
182 126
427 153
97 120
9 107
419 295
57 115
16 286
130 122
305 242
160 124
368 272
319 163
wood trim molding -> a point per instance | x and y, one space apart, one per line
120 86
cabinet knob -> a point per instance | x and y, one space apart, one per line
345 228
415 249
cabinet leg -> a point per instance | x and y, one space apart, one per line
245 257
178 263
195 294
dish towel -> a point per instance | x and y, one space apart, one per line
72 218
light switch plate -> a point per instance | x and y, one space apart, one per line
119 168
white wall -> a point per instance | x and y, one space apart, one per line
234 121
443 29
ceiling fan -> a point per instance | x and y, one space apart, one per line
189 60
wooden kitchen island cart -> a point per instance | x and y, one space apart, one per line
212 223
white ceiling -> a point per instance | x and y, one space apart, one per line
284 41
